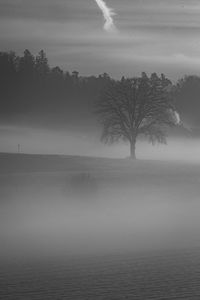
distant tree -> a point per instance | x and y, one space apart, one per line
131 107
187 99
57 72
8 81
26 78
75 74
27 65
42 66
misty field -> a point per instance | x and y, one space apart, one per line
96 228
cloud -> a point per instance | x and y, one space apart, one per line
108 14
155 36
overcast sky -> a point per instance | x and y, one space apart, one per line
149 35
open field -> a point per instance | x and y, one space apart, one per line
95 228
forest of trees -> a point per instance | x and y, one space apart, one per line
29 86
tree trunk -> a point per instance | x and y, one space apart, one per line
132 149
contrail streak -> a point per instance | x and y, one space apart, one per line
108 16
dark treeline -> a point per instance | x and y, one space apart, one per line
29 86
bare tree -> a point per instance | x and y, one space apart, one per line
131 107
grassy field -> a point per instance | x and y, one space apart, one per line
115 201
100 213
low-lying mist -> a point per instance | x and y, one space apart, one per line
75 142
144 206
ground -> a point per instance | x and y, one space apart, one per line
119 200
67 206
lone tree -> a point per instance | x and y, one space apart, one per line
137 106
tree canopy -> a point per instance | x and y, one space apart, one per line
134 106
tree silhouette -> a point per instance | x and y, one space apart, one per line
130 107
42 66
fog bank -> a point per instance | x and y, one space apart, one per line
73 142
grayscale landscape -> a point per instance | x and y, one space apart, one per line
132 233
99 150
